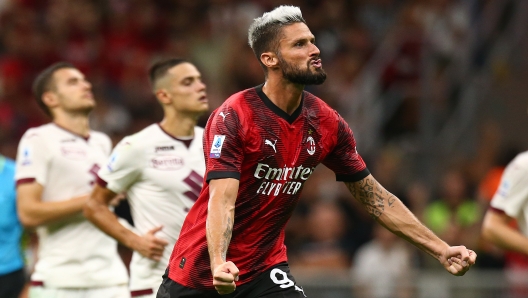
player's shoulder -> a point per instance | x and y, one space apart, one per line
317 107
238 100
313 102
151 131
198 132
100 137
40 135
38 131
141 139
521 160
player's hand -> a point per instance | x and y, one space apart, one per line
458 259
224 277
150 246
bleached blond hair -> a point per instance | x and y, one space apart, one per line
264 32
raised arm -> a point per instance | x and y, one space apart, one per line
219 229
33 212
390 212
97 211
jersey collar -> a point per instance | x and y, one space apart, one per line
86 138
186 142
275 109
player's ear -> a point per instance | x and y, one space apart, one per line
269 59
163 96
50 99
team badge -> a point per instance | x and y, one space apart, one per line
26 156
111 162
311 145
216 148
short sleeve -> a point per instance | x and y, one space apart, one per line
512 194
123 166
32 159
223 144
344 159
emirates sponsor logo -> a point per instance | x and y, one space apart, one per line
281 180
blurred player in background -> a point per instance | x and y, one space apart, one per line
12 276
261 146
510 202
161 169
56 169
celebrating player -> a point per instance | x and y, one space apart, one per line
56 168
510 202
161 169
261 145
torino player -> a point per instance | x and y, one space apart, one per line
510 202
56 168
161 168
261 146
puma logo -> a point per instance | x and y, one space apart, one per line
223 115
268 142
299 289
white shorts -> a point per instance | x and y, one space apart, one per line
106 292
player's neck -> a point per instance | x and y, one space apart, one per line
178 126
285 95
77 124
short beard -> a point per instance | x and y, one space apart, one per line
302 77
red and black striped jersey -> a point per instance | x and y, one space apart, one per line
272 154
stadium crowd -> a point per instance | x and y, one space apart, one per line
113 42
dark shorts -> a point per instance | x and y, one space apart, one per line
11 284
276 282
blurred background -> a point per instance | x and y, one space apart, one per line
434 90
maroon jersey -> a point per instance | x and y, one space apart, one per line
272 154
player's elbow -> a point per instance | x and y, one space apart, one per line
488 229
27 220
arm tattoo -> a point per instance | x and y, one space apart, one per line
228 232
372 195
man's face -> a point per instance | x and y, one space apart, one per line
186 89
299 57
73 91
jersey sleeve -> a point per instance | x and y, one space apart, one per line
223 144
32 161
512 194
344 159
123 166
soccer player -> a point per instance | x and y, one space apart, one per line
510 202
12 276
161 168
261 145
56 168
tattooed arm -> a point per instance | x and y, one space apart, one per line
219 228
390 212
